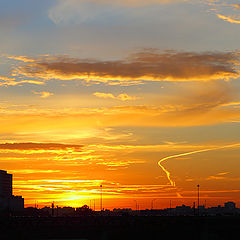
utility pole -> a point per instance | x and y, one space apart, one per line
198 198
152 202
136 205
52 209
101 202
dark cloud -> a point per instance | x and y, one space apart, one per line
150 65
38 146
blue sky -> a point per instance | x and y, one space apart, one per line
86 29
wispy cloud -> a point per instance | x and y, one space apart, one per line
43 94
5 78
228 18
78 10
12 81
226 10
21 58
207 104
130 2
38 146
121 97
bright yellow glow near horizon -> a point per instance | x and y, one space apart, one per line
71 175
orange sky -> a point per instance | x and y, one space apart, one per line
71 174
139 96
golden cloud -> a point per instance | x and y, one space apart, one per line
13 82
4 78
104 95
146 115
228 19
43 94
196 105
121 97
144 66
205 114
21 58
226 10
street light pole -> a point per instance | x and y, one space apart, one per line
136 205
198 196
101 198
152 202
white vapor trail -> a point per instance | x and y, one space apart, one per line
172 183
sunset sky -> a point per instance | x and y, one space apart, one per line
141 96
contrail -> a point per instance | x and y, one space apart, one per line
172 183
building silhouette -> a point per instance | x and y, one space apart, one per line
9 202
230 205
5 184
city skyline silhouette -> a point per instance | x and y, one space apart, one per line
119 115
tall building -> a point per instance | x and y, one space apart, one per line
8 201
5 184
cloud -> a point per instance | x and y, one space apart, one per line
226 10
7 81
21 58
133 2
204 104
228 19
237 6
43 94
149 65
104 95
216 178
38 146
83 10
195 104
30 171
13 82
53 171
121 97
125 97
4 78
219 176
